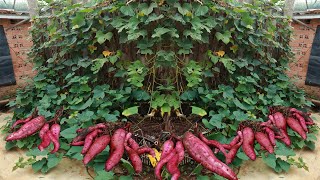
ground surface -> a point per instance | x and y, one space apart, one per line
74 170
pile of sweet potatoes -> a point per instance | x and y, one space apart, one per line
95 139
33 124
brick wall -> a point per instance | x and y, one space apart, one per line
19 44
301 45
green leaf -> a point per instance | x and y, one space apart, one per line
216 120
101 37
158 32
153 17
69 132
127 10
130 111
225 37
240 115
283 164
125 178
39 164
201 11
78 20
242 156
198 111
83 106
103 175
282 150
37 152
127 165
53 160
270 160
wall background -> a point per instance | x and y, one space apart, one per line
19 44
301 45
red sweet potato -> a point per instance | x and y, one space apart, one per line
201 153
144 150
55 129
233 151
45 142
162 162
79 143
233 142
284 137
248 142
21 121
167 147
264 141
97 147
89 140
116 148
56 144
43 130
180 151
213 143
133 144
172 167
302 121
280 121
271 135
134 158
27 129
294 125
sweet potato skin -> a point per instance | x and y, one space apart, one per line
213 143
264 141
302 121
79 143
172 167
56 144
144 150
248 142
134 158
43 130
280 121
167 147
295 125
89 140
234 149
45 142
271 135
180 151
55 129
162 162
116 148
201 153
27 129
97 147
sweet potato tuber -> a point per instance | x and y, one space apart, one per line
79 143
45 142
56 144
172 167
302 121
248 142
27 129
284 137
134 158
144 150
264 141
180 151
271 135
162 162
233 151
97 147
213 143
43 130
294 125
167 147
201 153
280 121
89 139
116 148
55 129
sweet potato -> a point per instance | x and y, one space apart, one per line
134 158
45 142
101 126
264 141
295 126
167 147
180 151
233 142
162 162
89 140
284 137
233 151
43 130
55 129
56 144
97 147
21 121
302 121
79 143
213 143
248 142
280 121
201 153
172 167
116 148
27 129
133 144
144 150
271 135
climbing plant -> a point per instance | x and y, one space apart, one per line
107 60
